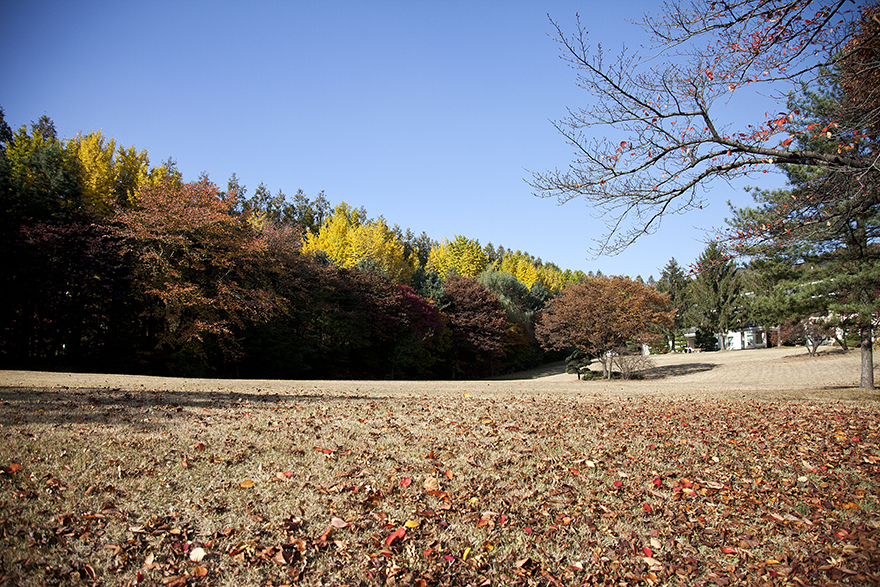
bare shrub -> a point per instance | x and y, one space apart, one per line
630 363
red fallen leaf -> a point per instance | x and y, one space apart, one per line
527 530
575 471
647 551
503 519
428 552
728 550
448 475
658 481
399 533
648 509
482 522
618 483
449 558
184 464
406 482
323 537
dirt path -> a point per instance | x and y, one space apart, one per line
763 373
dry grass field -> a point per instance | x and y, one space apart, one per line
748 467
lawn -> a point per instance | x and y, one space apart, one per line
152 486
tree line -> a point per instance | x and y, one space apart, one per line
116 264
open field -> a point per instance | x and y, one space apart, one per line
748 467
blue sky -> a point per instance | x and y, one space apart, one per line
431 114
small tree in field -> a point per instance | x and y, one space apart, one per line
603 314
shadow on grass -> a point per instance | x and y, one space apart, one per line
549 370
52 405
678 370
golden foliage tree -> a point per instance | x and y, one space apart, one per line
462 256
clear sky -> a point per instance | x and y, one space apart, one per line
429 113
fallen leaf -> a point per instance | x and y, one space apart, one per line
338 523
197 554
399 533
406 482
247 484
431 484
199 571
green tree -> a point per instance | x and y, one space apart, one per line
716 293
827 223
42 179
674 283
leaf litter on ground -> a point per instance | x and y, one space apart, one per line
435 490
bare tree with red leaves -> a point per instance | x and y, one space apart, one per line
668 109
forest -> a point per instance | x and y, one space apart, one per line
119 265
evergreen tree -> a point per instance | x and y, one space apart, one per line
827 223
674 283
715 293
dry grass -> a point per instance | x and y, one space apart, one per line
120 485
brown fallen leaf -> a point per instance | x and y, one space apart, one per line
431 484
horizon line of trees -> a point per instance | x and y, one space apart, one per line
120 265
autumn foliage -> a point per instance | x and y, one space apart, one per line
602 316
119 265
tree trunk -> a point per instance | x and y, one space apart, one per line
866 339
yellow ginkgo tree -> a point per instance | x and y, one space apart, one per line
461 256
350 240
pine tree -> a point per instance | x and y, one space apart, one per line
715 293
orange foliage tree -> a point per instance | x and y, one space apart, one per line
603 315
200 264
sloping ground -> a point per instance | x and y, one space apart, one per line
766 373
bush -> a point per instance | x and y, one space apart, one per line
706 340
791 332
631 363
